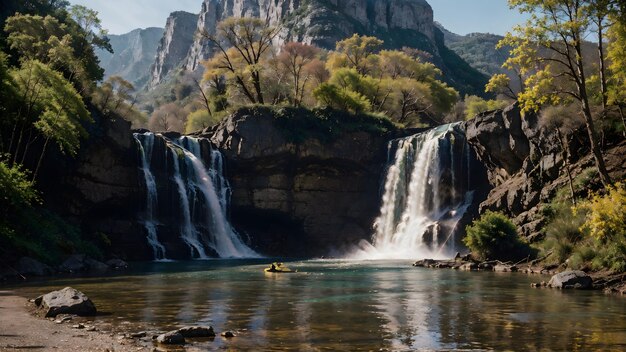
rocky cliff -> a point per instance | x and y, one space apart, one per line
100 190
317 22
526 165
177 38
302 195
400 23
133 54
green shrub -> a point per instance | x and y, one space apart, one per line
494 236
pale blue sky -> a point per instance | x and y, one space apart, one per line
459 16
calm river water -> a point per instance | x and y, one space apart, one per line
347 305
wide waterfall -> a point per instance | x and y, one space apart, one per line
428 189
195 202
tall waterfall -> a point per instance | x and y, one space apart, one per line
146 144
427 191
197 215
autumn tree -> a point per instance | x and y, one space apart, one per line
242 45
549 49
355 52
298 60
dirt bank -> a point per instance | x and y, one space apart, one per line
21 330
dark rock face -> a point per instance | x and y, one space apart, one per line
66 301
30 266
571 280
525 164
300 198
80 263
100 190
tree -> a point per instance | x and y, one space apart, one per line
557 27
52 107
295 58
242 45
476 105
62 45
616 54
116 97
168 117
355 52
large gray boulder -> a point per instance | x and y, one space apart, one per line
571 279
66 301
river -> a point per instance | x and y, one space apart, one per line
353 305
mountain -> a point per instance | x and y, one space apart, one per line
479 50
178 37
133 54
400 23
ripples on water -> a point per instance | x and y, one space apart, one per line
348 305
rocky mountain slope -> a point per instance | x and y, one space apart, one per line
400 23
133 54
178 36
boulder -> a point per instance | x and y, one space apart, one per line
30 266
117 264
66 301
425 263
574 279
469 266
503 268
196 331
79 263
171 338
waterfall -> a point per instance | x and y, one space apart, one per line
146 143
198 213
426 193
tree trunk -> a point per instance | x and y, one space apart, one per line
603 84
43 152
565 156
621 114
586 110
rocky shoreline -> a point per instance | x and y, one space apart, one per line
608 282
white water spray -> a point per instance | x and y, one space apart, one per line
420 211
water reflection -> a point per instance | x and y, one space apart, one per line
357 306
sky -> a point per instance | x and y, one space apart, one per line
458 16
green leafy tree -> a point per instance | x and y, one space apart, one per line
476 105
494 236
548 50
355 52
53 111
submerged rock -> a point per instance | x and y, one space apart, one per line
117 264
171 338
503 268
196 331
66 301
228 334
571 280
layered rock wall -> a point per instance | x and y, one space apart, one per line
306 198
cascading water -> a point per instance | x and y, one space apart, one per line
427 191
200 208
146 143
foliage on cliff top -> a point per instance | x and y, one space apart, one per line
324 124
